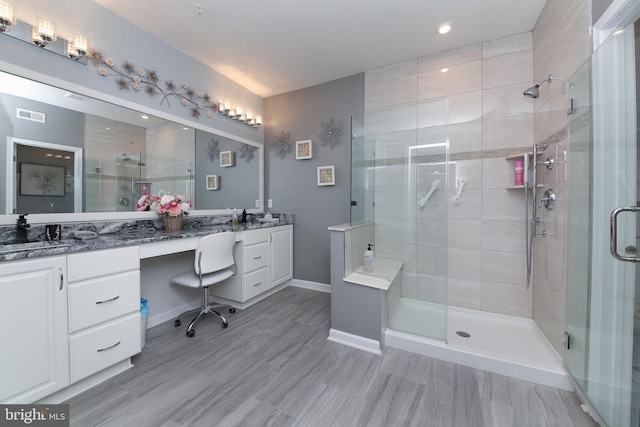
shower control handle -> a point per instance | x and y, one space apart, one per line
613 233
549 199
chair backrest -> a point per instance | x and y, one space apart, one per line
217 252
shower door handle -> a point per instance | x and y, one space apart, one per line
613 222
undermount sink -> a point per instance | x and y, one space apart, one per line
31 246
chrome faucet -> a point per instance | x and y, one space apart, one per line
22 228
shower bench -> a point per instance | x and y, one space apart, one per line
359 300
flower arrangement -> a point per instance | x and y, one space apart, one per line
173 205
147 203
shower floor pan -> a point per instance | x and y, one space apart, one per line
506 345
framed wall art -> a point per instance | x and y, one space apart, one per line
227 158
303 150
213 182
41 180
326 175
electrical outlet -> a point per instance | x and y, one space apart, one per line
270 203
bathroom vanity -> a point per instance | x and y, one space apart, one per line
71 311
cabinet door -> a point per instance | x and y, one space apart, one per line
34 362
280 255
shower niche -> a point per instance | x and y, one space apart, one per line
510 170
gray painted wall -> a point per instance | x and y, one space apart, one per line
292 184
122 40
238 185
597 9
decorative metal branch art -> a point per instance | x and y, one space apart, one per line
213 151
247 152
281 144
147 80
331 133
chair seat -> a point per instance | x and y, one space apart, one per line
192 280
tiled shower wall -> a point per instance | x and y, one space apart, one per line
489 120
107 139
561 45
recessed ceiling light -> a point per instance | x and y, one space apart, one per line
444 28
444 70
144 116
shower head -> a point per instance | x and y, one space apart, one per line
534 92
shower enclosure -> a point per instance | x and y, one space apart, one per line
117 184
602 349
400 180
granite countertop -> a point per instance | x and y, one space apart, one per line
114 234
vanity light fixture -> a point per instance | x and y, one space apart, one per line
238 113
6 16
444 28
44 33
78 48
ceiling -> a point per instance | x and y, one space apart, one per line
276 46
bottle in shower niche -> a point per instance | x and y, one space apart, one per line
519 173
368 259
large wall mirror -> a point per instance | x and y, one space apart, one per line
70 154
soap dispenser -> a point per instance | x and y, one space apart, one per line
234 217
368 259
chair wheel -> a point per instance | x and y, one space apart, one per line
191 333
232 309
225 325
177 323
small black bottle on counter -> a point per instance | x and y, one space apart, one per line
244 215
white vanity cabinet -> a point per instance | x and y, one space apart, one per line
280 255
104 309
264 258
34 362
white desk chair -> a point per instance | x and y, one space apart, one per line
214 262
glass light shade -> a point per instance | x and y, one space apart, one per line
6 13
227 105
220 107
46 31
238 111
232 112
258 120
249 117
243 118
80 44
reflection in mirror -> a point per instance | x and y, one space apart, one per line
43 177
116 155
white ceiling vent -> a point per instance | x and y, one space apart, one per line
34 116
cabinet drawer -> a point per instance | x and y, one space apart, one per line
88 265
252 237
255 257
256 283
99 300
98 348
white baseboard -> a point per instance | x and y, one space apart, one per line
316 286
173 313
355 341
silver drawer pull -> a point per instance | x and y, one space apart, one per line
107 348
107 300
257 257
258 284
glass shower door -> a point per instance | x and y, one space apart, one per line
603 177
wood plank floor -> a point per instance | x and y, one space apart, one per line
273 366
